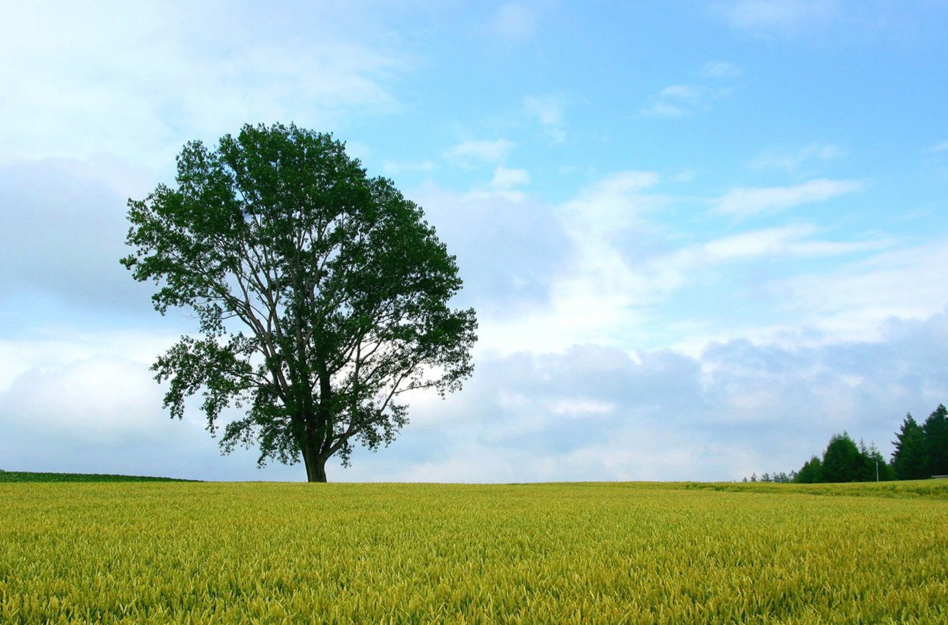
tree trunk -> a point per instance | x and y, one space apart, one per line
316 472
315 466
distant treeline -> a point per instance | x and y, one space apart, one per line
921 452
26 476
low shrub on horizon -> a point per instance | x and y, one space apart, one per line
30 476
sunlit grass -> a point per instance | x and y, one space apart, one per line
542 553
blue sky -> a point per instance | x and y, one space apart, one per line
701 237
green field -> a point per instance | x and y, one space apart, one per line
540 553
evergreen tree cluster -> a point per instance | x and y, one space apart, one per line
921 452
777 478
845 461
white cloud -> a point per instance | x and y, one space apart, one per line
591 412
622 279
514 21
675 101
592 292
505 179
718 288
549 112
597 413
749 201
393 168
97 100
100 400
852 301
508 245
665 109
939 147
75 79
777 16
794 240
103 415
682 92
594 271
56 347
679 100
485 151
720 69
609 208
610 194
64 233
581 407
795 161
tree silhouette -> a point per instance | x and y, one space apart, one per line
322 295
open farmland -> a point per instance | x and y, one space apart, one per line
542 553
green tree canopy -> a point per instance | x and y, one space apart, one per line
811 472
322 296
935 430
842 461
875 468
910 458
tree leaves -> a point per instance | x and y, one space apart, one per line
342 288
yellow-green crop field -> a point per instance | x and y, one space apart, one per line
410 553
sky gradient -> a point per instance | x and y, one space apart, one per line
701 237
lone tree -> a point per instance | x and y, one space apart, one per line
322 295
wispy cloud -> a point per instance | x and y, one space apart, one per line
393 168
549 112
940 147
720 69
794 161
485 151
794 240
591 293
777 16
620 268
138 67
508 245
612 204
682 92
505 179
686 99
851 301
749 201
679 100
515 20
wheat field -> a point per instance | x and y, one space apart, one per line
415 553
